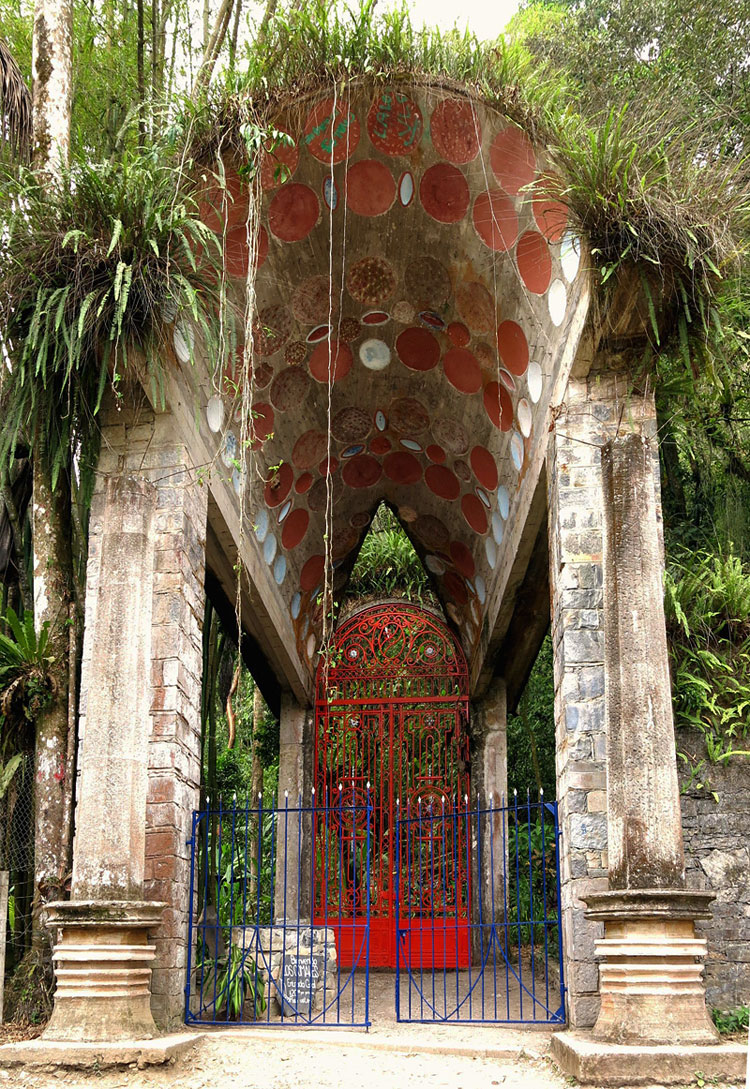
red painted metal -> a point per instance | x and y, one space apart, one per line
392 705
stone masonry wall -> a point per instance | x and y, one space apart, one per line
138 441
717 857
593 411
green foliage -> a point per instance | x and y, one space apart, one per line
533 845
531 731
236 981
387 564
26 678
731 1021
90 263
707 602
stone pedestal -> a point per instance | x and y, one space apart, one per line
650 975
103 960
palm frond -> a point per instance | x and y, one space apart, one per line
15 105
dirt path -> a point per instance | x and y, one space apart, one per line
234 1060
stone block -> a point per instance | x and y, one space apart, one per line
588 831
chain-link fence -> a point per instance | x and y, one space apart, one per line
17 857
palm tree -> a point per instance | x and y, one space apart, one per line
15 106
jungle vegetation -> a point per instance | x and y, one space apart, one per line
644 105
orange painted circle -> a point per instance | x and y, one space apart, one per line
278 162
435 453
312 572
534 262
458 334
498 406
512 160
280 484
463 559
362 471
293 212
444 193
309 448
295 528
495 220
370 188
418 349
512 346
456 587
337 361
304 481
551 217
402 468
474 513
455 130
380 444
442 482
261 424
462 370
484 467
394 123
331 138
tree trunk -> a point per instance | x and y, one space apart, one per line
51 75
256 787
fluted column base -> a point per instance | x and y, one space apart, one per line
650 973
102 960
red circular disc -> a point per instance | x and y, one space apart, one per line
332 358
534 262
474 513
551 217
261 423
312 572
512 346
458 334
512 160
309 449
293 212
435 453
380 444
455 130
328 466
225 204
279 485
394 123
295 528
463 559
418 349
278 162
456 587
495 220
484 466
370 188
462 370
236 251
371 280
402 468
444 193
304 480
331 138
289 388
498 406
362 471
408 416
442 482
476 306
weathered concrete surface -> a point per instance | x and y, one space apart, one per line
717 856
294 862
77 1055
599 399
490 779
594 1062
643 806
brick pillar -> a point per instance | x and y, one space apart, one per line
139 441
593 411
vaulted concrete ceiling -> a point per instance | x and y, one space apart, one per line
419 298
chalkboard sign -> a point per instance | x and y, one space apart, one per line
300 978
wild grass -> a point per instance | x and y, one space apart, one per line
387 564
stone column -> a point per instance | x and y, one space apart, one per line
650 979
103 957
294 846
489 782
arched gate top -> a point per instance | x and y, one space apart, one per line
393 651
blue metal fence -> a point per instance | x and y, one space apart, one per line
280 913
478 931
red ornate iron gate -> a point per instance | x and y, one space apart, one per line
392 711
